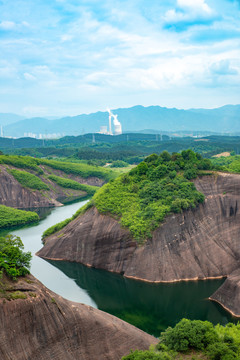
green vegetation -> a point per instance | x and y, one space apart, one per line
72 184
80 169
22 162
119 164
13 261
28 180
156 187
17 295
131 148
229 164
10 217
197 338
76 168
55 228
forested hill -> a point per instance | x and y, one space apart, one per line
158 186
136 118
27 182
131 148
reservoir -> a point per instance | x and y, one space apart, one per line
150 307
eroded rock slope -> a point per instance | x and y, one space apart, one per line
228 295
45 326
13 194
196 244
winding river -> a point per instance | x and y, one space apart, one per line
151 307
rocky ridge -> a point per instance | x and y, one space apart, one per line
198 243
42 325
228 295
13 194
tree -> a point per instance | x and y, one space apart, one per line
13 260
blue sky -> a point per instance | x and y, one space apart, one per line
67 57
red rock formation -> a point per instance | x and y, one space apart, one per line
196 244
44 326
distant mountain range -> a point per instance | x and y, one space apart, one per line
225 119
6 119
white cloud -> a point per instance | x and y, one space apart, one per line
189 11
120 51
66 37
194 5
30 77
8 71
7 25
223 67
43 72
25 23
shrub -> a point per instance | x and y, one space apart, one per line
10 217
119 164
17 295
29 180
147 355
80 169
13 261
22 162
188 334
55 228
190 173
207 342
220 351
72 184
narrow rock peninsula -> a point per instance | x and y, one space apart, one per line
195 244
228 295
200 243
38 324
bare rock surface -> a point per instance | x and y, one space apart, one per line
13 194
196 244
45 326
199 243
228 295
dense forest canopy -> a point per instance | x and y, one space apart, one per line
158 186
196 340
131 148
10 217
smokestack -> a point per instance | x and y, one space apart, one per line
117 126
110 122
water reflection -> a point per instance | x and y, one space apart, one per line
42 212
150 307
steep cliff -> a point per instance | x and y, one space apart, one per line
198 243
13 194
42 325
228 295
195 244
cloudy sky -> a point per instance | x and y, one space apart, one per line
67 57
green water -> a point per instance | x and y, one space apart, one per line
150 307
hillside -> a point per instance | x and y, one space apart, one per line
27 182
42 326
224 119
8 118
173 237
